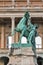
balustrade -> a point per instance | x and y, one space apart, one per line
20 3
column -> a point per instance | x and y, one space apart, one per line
13 26
16 37
2 37
12 41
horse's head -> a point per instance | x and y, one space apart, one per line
27 15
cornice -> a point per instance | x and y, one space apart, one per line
21 9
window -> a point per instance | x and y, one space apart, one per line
23 40
38 41
9 41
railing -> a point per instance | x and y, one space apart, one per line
6 3
10 3
36 4
38 46
39 50
19 3
35 0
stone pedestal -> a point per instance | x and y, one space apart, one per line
29 57
23 56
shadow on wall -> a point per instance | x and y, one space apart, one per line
4 60
40 60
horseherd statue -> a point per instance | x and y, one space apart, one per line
26 29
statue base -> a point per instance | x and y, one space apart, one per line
23 56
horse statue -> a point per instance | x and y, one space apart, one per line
26 29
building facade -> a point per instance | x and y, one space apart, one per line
11 11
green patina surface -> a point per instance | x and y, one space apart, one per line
26 29
20 45
16 45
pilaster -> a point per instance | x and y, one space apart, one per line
13 26
2 37
17 37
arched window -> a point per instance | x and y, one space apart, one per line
38 41
9 41
23 40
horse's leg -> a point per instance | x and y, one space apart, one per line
21 35
31 34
